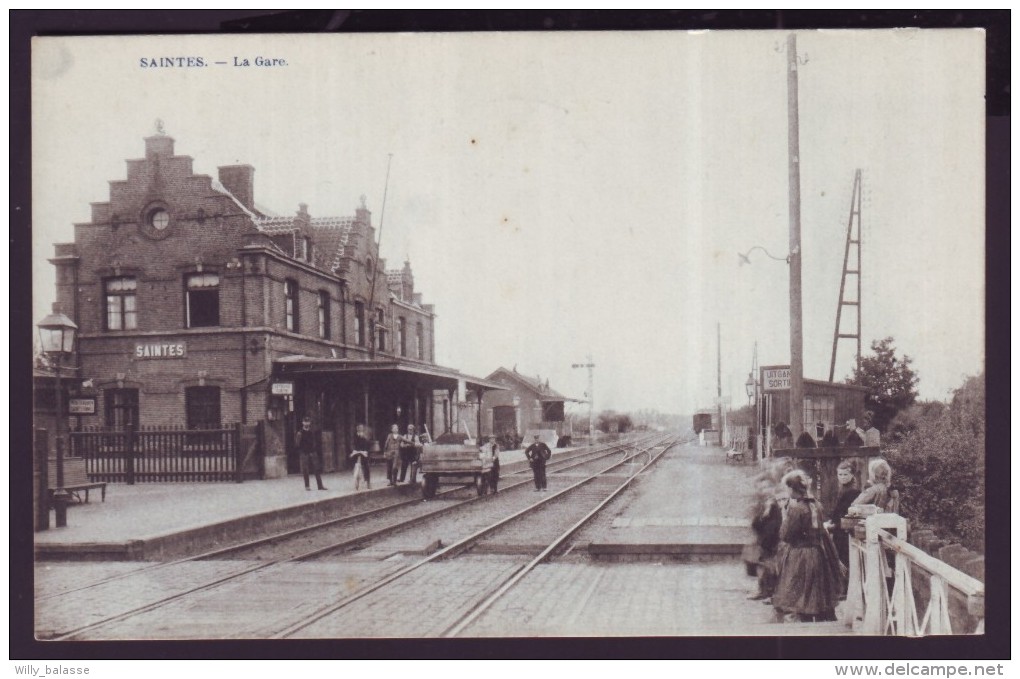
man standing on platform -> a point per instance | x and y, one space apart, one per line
311 460
408 451
538 453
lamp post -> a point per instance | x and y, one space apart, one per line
752 397
56 337
750 386
517 415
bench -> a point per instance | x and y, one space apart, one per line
734 456
75 478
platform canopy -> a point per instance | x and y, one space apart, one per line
425 375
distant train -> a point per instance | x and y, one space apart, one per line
702 421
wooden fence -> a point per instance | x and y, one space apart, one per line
951 601
167 454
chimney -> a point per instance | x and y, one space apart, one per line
159 145
240 181
362 214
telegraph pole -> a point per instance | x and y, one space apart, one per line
796 335
718 376
590 365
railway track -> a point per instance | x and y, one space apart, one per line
166 585
461 600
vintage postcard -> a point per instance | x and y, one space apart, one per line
493 335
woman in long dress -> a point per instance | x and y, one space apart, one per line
807 587
848 492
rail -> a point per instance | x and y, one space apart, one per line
875 608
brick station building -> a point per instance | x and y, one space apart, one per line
198 308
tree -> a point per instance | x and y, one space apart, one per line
743 416
910 418
940 467
890 381
611 421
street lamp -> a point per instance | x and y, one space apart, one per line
796 330
749 386
56 337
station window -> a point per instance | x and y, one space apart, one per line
420 338
819 410
380 330
324 314
202 300
121 407
359 323
402 335
290 293
120 303
202 406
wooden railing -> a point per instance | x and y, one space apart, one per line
955 600
160 454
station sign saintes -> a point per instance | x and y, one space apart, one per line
161 350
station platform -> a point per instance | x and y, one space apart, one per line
158 521
694 506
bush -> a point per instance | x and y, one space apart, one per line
939 466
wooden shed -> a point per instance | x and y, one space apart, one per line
827 406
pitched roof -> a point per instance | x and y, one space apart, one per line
533 383
332 234
331 237
219 188
275 225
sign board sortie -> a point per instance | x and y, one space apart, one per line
776 378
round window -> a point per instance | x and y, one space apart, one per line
155 221
159 219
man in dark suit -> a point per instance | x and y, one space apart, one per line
538 454
311 459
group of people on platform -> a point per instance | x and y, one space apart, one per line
802 552
400 451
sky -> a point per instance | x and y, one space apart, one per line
561 195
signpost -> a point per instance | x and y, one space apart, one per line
282 389
775 377
85 405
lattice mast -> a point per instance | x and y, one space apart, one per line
853 238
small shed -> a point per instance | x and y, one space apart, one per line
528 403
827 406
